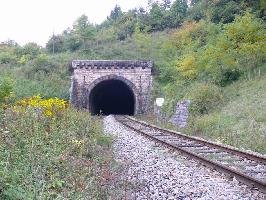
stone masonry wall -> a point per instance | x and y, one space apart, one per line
181 114
87 74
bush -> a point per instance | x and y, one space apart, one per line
24 59
6 90
52 107
228 76
6 57
42 63
56 44
204 98
31 49
247 37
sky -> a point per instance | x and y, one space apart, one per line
35 20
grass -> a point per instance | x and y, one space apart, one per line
240 121
67 157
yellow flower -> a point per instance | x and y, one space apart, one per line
48 113
78 142
49 107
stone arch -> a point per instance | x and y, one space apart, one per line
127 82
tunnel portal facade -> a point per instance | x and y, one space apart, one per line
111 86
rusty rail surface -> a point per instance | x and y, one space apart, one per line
248 168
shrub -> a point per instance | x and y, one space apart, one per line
228 76
56 44
187 66
31 49
6 57
204 97
220 53
24 59
247 37
48 107
42 64
6 90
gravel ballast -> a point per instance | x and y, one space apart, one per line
155 172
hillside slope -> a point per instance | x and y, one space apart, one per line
241 121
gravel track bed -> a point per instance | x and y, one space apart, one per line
156 172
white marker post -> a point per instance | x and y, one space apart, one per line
159 103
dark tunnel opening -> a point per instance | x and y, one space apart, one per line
112 97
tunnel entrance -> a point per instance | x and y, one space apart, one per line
112 97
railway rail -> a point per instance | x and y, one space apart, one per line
248 168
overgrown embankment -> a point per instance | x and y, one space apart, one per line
221 69
237 117
241 119
50 151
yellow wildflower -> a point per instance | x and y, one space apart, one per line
78 142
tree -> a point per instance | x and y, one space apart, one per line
247 36
167 20
142 18
10 43
7 58
73 42
166 4
83 29
263 8
116 13
198 10
178 12
56 44
126 25
156 17
193 2
31 49
224 11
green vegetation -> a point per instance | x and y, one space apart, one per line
5 90
240 120
50 151
212 52
51 158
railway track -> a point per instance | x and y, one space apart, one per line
248 168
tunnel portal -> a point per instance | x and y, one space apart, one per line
111 86
112 97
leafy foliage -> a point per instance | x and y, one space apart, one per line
6 57
31 49
156 17
178 12
52 107
220 53
84 29
56 44
204 98
247 37
6 89
161 15
116 13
